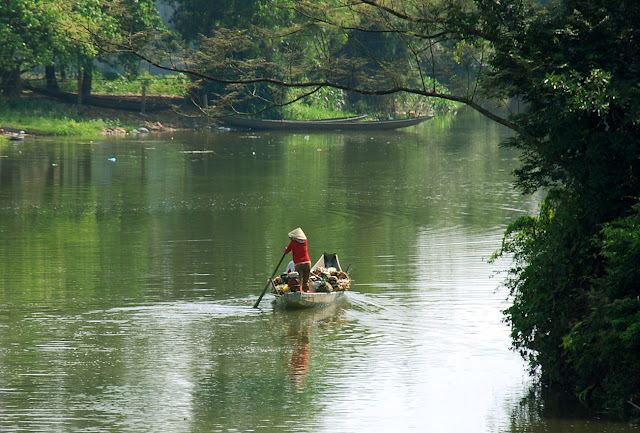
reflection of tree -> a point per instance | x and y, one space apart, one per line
545 409
357 188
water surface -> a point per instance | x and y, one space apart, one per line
128 268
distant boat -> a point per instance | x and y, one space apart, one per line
339 124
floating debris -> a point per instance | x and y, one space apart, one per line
114 131
197 151
140 131
17 136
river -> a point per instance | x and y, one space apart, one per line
128 270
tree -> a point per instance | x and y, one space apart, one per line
27 39
431 40
195 18
42 33
100 23
583 144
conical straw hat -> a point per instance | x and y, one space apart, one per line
297 234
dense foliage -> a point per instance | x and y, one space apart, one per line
28 39
252 56
575 282
68 35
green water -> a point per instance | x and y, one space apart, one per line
128 268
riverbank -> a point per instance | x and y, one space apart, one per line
39 116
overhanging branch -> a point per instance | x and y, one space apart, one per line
327 83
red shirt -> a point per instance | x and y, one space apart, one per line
300 251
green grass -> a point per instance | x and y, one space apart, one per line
300 111
327 103
48 118
157 85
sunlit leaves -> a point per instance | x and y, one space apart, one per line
590 94
41 32
27 33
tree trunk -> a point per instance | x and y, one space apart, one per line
11 83
79 90
50 76
87 75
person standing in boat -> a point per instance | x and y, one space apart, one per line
299 249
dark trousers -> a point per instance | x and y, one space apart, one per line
304 269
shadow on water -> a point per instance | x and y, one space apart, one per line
542 410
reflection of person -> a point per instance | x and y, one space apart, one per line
299 249
300 358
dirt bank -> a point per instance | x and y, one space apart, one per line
164 120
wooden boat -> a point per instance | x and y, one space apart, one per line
296 300
328 264
342 124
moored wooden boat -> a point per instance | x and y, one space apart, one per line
329 284
322 125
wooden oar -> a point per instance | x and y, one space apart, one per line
269 281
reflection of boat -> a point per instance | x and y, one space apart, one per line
342 124
328 264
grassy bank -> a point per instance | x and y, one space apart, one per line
44 117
